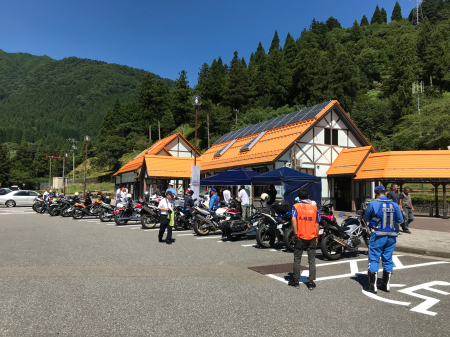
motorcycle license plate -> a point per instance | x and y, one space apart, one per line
280 226
321 231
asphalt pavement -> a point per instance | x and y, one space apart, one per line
67 277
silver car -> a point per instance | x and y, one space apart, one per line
18 198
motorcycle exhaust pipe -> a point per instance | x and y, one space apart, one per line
340 241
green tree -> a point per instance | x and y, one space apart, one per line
259 56
5 165
181 99
345 80
275 45
216 81
374 118
376 18
364 21
40 162
202 87
238 86
356 32
332 23
278 78
397 12
111 150
383 15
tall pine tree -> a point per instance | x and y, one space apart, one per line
238 86
275 45
376 18
40 162
5 165
181 96
364 21
383 15
397 12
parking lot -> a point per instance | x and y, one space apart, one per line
61 276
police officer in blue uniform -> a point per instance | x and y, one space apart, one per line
382 215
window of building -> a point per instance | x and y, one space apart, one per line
250 144
224 149
327 136
334 140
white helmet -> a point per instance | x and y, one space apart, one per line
129 195
77 194
264 196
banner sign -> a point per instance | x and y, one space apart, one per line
195 182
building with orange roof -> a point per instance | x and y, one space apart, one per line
170 155
309 139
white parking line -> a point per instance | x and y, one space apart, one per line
185 234
252 245
208 237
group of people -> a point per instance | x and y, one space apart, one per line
383 215
121 194
403 200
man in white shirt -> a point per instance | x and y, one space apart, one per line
245 202
123 194
166 206
46 200
117 194
226 195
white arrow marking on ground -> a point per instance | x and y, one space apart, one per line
429 301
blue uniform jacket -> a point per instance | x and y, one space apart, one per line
214 202
372 210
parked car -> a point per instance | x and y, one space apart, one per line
4 191
19 198
14 188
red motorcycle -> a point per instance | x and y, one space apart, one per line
128 212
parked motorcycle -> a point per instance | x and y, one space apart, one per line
128 212
38 202
67 209
237 227
274 225
86 208
149 212
347 237
107 210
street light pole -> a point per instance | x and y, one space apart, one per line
196 101
86 139
64 172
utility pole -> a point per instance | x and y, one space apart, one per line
207 123
417 14
150 132
236 111
159 130
74 148
417 88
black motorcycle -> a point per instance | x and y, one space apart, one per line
85 207
274 224
130 211
347 237
237 227
149 213
107 210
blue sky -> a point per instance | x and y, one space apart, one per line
165 36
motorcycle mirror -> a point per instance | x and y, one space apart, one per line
341 214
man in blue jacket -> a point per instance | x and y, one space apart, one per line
214 201
381 215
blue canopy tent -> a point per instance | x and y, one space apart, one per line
235 177
292 181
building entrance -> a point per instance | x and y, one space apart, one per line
343 194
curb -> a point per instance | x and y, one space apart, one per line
422 251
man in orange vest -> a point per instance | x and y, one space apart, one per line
305 223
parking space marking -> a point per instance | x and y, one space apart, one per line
185 234
208 237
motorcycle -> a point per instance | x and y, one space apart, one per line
236 227
149 212
86 208
55 206
38 202
347 237
273 227
326 217
107 210
128 212
67 209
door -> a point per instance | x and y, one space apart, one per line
343 194
31 196
21 198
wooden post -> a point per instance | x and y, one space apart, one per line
444 192
436 200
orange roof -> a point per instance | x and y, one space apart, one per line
156 148
267 149
169 167
406 165
349 160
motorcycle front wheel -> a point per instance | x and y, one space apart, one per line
53 211
288 239
199 229
263 237
77 213
36 207
330 248
106 216
148 221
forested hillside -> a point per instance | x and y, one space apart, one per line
42 98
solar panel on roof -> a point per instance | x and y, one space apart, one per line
293 117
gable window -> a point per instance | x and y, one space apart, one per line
334 138
331 137
327 136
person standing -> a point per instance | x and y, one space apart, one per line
45 197
226 195
157 191
245 207
305 225
214 201
166 208
272 192
407 209
189 205
123 194
171 189
393 195
117 194
381 214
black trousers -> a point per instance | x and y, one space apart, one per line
163 224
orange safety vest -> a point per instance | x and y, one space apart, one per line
306 220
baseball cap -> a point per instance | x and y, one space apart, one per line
379 188
213 190
169 193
